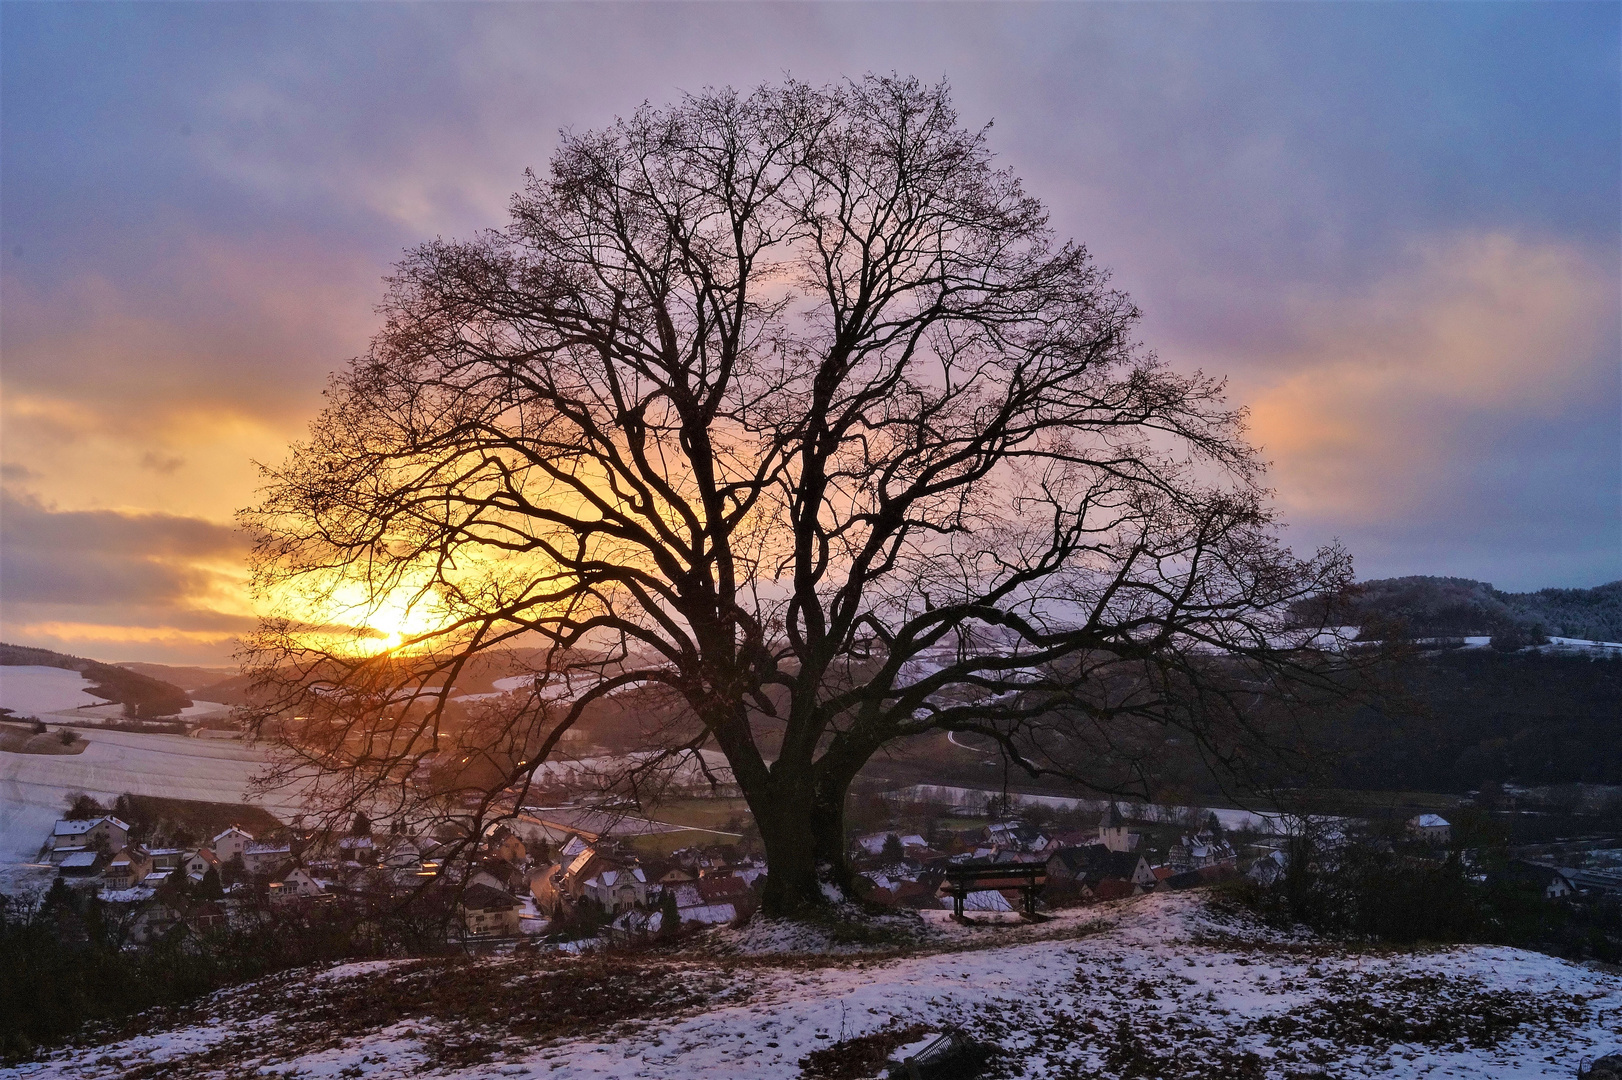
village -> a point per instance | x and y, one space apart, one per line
553 875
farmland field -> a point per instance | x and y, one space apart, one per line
33 786
34 690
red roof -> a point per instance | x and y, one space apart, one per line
1113 889
717 890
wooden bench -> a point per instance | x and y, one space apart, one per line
1028 878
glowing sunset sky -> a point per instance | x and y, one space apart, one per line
1396 227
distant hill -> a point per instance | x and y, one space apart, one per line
189 679
150 697
478 676
1461 607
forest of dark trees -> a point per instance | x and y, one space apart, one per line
1460 607
148 696
1463 719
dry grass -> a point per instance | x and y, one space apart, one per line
22 740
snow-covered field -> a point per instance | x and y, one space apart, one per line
1167 986
30 691
33 786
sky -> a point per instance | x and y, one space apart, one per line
1394 227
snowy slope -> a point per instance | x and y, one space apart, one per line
32 690
1169 988
33 786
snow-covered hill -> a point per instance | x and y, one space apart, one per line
33 787
1164 986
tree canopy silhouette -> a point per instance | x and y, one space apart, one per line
791 404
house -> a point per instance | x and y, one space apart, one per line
636 926
720 888
619 889
199 863
1594 881
564 881
296 884
1097 862
1112 831
357 849
498 874
1113 889
1549 881
126 869
692 907
1015 836
231 843
1431 828
264 857
1199 851
872 844
103 832
1186 879
166 858
206 917
1267 870
504 844
81 864
153 919
489 912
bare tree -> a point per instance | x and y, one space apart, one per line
791 404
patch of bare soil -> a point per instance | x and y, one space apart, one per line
457 1012
1158 1029
22 740
861 1057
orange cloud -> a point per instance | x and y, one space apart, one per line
1376 400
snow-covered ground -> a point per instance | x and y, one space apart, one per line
33 786
1166 987
31 690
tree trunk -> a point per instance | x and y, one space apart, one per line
783 813
802 824
828 832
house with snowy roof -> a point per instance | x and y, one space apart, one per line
166 858
266 857
1431 828
692 906
231 843
83 864
498 874
1015 836
127 868
357 849
636 926
298 883
1267 870
617 888
107 831
1199 851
